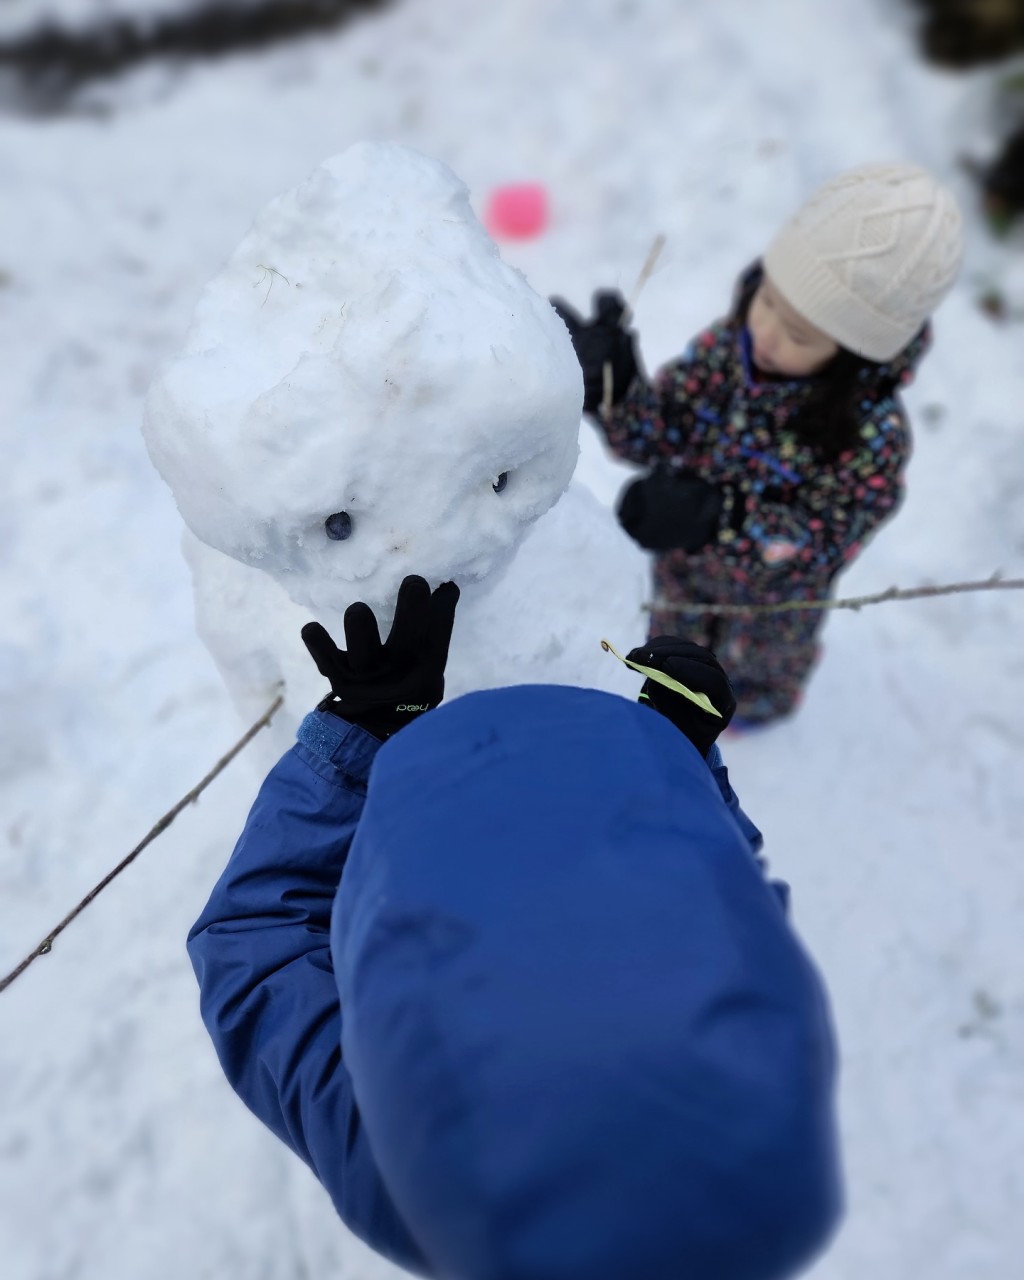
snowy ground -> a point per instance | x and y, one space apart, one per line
894 802
22 17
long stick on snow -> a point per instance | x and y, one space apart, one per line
653 254
995 583
46 946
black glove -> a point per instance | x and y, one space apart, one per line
598 341
670 511
381 687
696 667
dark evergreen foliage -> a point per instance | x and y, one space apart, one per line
44 68
964 33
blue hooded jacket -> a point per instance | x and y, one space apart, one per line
580 1040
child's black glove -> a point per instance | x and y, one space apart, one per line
696 667
598 341
670 511
381 687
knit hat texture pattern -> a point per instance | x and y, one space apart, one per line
870 256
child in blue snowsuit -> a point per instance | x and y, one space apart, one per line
511 981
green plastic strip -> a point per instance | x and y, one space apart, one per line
659 677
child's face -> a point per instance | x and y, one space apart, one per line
783 341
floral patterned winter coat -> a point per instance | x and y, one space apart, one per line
791 519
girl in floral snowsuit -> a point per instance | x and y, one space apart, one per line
791 516
778 438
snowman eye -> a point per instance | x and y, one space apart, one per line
339 526
499 484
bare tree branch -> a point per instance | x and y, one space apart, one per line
995 583
46 946
646 271
653 254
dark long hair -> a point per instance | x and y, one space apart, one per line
830 419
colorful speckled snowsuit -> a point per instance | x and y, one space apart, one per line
791 519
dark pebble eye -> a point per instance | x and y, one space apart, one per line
339 526
500 483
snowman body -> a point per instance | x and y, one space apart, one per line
368 391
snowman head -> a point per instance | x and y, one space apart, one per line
367 390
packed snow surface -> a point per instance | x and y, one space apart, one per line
893 803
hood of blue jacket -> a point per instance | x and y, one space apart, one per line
584 1039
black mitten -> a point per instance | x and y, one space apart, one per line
698 669
381 687
670 511
599 341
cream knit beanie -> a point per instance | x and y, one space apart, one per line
870 256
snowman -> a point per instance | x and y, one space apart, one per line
366 391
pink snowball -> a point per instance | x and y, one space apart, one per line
517 210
